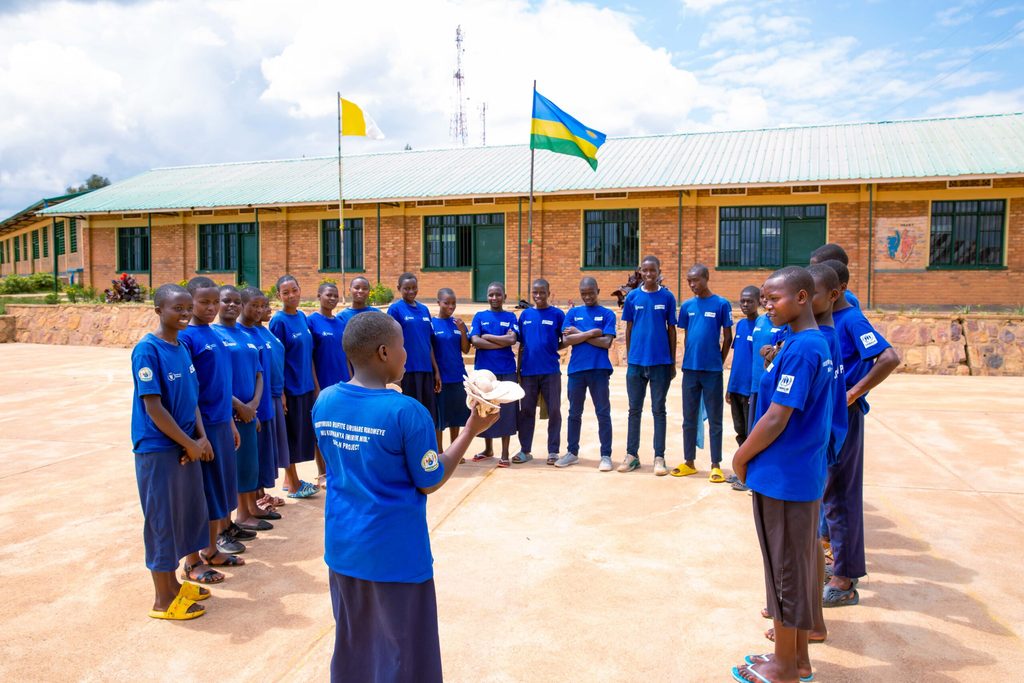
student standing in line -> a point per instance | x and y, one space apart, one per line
300 388
212 361
738 391
706 321
493 332
327 329
834 252
540 372
650 316
783 462
277 396
168 439
590 331
451 339
422 380
359 291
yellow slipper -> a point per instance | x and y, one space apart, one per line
683 470
192 592
717 477
178 610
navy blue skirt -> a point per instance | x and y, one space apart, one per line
452 410
508 419
173 506
420 386
268 453
220 476
247 457
299 420
281 433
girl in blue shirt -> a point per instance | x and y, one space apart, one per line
360 293
421 379
451 337
327 329
493 333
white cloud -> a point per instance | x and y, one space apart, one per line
992 102
703 6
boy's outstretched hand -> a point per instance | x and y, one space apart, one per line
478 423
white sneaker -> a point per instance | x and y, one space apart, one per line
659 467
567 459
606 464
630 463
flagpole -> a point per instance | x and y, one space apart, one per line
529 232
341 209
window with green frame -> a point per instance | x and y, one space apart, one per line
967 234
3 252
611 238
17 249
133 250
46 242
754 236
58 238
330 244
218 245
24 245
73 236
448 240
35 245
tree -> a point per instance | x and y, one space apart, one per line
91 183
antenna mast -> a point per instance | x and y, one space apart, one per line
483 124
459 130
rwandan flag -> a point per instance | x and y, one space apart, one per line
555 130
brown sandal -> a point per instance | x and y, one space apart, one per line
210 576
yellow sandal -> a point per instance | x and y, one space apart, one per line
178 610
191 591
683 470
717 476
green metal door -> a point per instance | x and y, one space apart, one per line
249 257
801 237
488 258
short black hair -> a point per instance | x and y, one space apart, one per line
445 291
286 278
588 281
652 259
360 277
366 332
542 282
825 274
497 284
200 282
228 288
841 270
751 288
406 276
325 285
165 292
250 293
796 278
828 252
700 270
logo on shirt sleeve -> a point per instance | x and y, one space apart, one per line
785 384
868 339
429 463
145 375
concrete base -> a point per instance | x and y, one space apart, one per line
542 574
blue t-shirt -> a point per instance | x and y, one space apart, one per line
213 369
764 334
328 354
162 369
245 361
703 320
350 313
852 298
540 333
498 361
380 449
742 358
840 417
801 377
586 356
293 331
419 334
448 350
860 343
651 313
276 363
265 410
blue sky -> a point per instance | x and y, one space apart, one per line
120 87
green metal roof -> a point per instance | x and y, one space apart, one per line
890 150
29 213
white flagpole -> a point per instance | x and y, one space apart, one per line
341 209
529 233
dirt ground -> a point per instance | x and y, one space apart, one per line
542 574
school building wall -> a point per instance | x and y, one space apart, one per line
67 263
679 227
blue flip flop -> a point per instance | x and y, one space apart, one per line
521 458
836 597
753 659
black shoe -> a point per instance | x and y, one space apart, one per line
268 514
228 545
258 525
237 533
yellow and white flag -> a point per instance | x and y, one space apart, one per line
354 121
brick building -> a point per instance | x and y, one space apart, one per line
930 211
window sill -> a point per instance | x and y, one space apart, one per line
216 272
338 270
968 268
625 269
465 269
767 269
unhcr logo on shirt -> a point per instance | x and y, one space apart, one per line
171 376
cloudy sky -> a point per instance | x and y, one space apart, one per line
118 87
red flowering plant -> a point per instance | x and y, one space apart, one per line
123 289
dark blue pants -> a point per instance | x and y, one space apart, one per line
844 501
637 379
550 386
751 413
578 384
698 384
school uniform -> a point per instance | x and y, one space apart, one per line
650 361
171 494
852 298
350 313
452 410
277 364
245 365
589 369
212 361
328 355
380 450
763 334
267 437
293 331
502 362
788 476
703 319
540 333
739 378
859 344
418 381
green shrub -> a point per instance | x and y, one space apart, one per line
380 294
52 298
74 293
271 292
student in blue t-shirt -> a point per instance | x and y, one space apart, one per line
422 380
277 396
783 462
451 340
590 331
291 326
738 390
493 332
327 329
540 371
706 321
359 290
168 439
246 391
649 312
834 252
867 360
212 361
382 462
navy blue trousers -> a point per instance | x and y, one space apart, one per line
550 386
844 502
698 384
637 379
597 382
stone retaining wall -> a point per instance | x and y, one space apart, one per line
978 344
